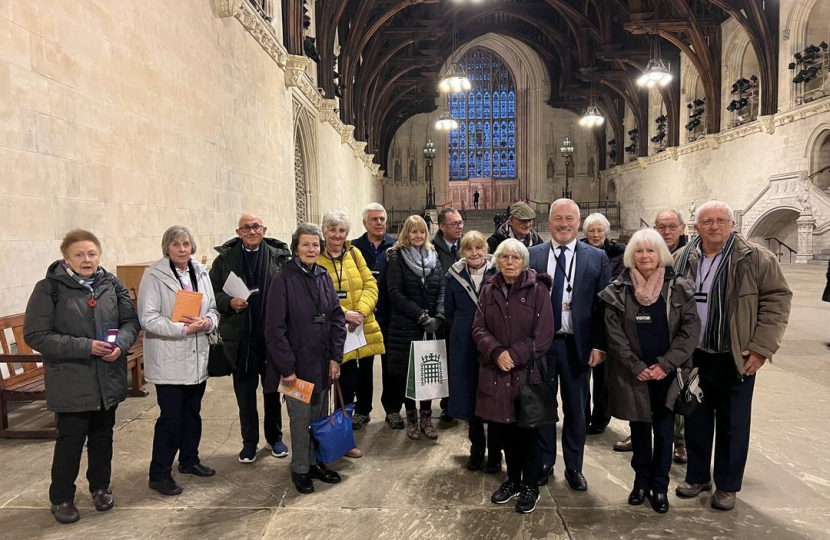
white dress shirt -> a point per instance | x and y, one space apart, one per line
570 253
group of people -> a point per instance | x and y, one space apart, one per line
633 316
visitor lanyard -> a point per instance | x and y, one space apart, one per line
336 273
700 269
561 266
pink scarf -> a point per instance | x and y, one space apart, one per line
647 291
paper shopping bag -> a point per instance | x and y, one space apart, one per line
427 376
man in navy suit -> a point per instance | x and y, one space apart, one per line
579 272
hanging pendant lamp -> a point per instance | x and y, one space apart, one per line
446 122
656 72
455 78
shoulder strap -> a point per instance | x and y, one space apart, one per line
55 292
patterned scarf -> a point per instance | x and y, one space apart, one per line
647 291
421 261
716 333
88 282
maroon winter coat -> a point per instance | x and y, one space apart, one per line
297 341
507 319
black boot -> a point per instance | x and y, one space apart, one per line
475 460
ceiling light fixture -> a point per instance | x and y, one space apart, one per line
656 71
446 122
455 78
592 117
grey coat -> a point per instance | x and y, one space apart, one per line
169 357
629 398
63 333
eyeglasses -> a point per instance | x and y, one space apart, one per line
671 228
721 222
456 224
256 227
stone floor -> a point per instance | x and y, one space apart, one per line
406 489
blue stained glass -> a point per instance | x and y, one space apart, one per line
485 143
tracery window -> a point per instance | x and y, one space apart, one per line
484 145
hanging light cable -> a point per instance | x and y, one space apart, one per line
455 78
656 71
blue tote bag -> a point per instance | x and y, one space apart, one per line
333 433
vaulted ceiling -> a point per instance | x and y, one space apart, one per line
391 53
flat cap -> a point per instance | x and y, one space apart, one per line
521 210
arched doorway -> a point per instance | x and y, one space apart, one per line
611 192
777 230
820 161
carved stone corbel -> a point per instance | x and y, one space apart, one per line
295 67
768 123
672 152
227 8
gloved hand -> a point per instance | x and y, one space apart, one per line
432 325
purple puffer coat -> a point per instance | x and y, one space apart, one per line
304 327
508 319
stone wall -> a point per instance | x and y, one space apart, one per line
128 117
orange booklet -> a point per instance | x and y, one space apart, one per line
300 391
187 303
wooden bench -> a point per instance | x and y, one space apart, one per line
24 383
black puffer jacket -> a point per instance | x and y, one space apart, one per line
63 332
409 298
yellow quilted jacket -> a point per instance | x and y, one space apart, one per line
357 281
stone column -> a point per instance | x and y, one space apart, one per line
806 224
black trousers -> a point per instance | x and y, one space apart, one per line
365 386
725 415
571 375
94 428
353 384
394 394
245 384
178 428
600 416
652 463
522 452
479 441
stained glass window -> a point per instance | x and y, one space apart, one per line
484 145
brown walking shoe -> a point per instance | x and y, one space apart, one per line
723 500
426 425
412 429
623 445
680 455
394 420
687 490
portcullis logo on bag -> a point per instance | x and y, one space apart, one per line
431 369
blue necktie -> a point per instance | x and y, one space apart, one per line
556 292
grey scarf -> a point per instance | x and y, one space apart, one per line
421 261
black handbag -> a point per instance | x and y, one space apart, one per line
536 403
691 394
219 365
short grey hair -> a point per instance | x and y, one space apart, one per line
333 218
557 202
172 234
594 219
511 246
373 207
674 211
711 205
304 229
650 238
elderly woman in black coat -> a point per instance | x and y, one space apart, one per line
304 334
653 328
81 319
465 279
415 283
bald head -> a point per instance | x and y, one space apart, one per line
251 230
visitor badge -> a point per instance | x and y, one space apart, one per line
701 297
342 295
643 318
566 306
319 318
252 292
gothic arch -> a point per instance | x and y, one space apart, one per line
306 182
740 60
816 154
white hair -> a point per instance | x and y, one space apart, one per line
713 204
511 246
652 239
333 218
594 219
373 207
563 201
